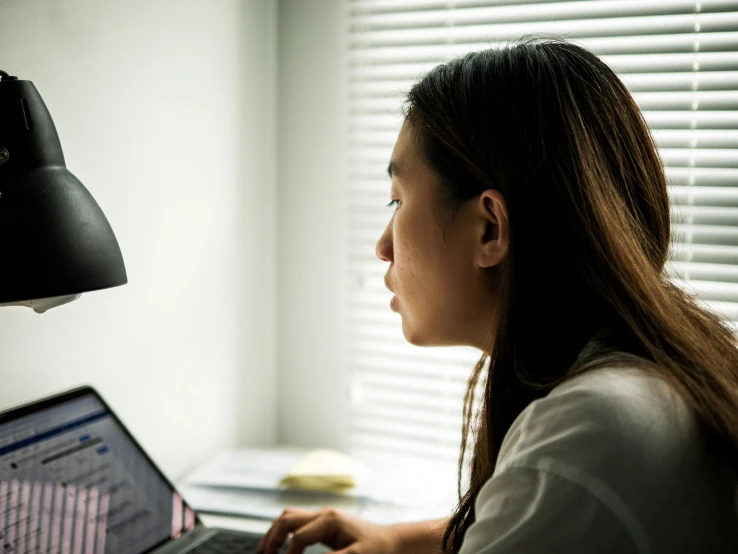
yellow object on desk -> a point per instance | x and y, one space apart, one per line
324 470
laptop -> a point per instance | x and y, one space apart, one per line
73 480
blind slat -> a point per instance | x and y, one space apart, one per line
668 100
362 7
573 29
391 78
665 138
657 43
569 11
663 119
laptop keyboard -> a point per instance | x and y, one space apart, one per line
227 542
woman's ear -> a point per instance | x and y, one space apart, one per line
493 229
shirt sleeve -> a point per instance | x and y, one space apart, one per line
531 511
574 471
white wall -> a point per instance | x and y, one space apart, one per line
166 111
312 110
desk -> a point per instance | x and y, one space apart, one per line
239 486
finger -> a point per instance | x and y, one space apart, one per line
319 529
266 539
348 550
268 542
291 519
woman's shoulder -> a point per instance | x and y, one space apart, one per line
620 411
626 384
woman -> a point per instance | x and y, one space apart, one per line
532 221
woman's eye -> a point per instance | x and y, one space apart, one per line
393 203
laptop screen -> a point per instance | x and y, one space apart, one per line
73 482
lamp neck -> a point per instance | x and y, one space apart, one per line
28 136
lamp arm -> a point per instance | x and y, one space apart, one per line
4 75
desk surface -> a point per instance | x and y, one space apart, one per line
237 523
252 525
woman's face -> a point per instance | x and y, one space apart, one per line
446 290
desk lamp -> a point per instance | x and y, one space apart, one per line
55 242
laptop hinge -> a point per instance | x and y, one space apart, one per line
186 542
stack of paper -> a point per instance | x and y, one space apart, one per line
325 471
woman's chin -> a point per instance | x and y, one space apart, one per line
412 334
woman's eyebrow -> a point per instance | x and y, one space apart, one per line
392 168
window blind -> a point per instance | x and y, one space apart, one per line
679 58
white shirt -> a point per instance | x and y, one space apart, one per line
607 462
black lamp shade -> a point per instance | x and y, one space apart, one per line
54 238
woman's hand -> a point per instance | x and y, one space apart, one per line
344 533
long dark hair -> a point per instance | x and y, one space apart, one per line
553 128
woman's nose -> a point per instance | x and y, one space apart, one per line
384 246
